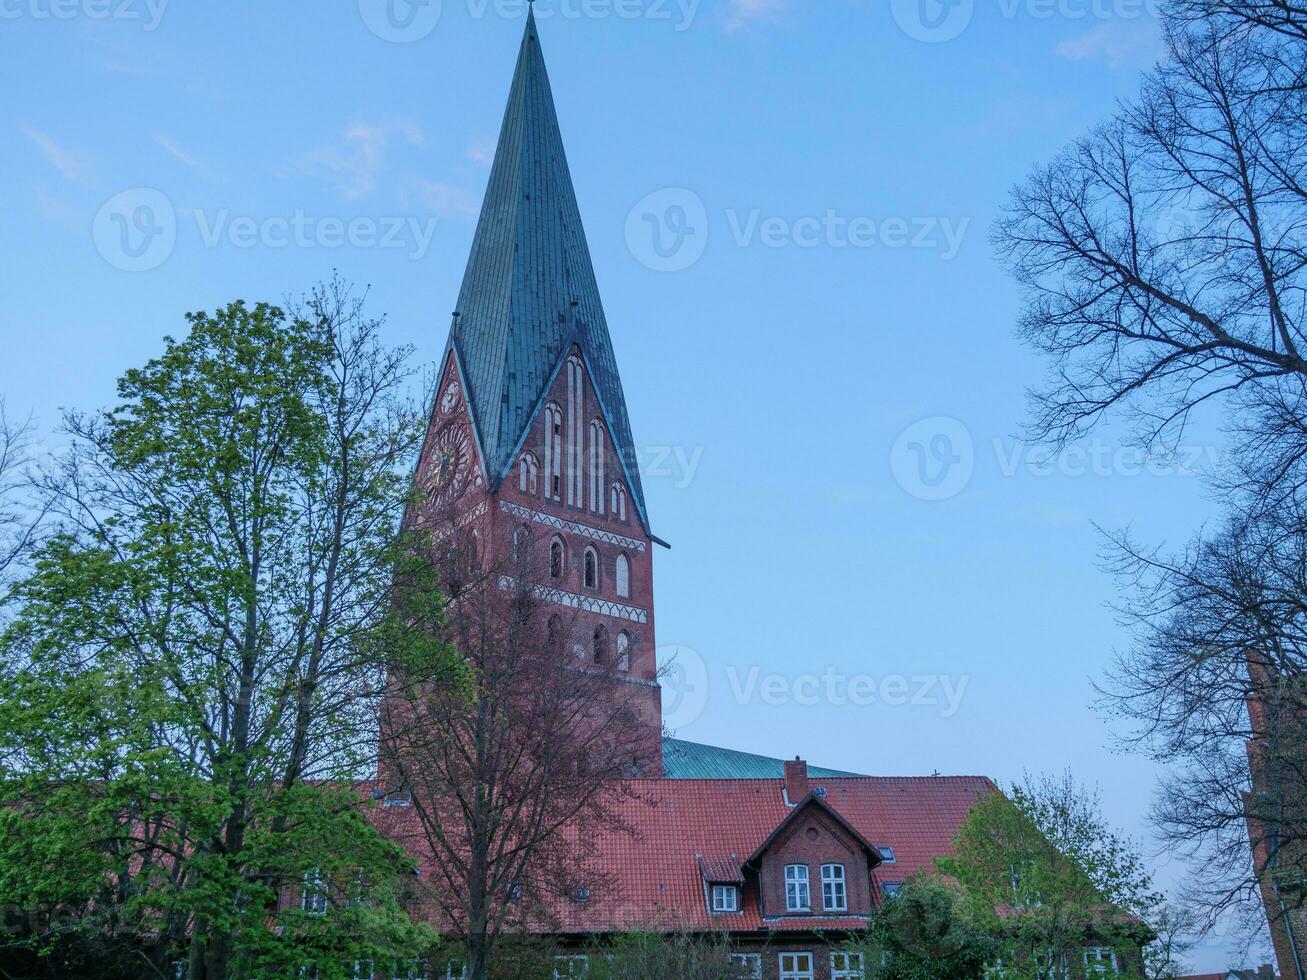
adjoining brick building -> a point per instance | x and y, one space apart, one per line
529 430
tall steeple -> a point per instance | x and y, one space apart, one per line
529 293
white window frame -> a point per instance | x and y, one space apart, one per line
725 898
751 964
571 962
795 966
891 889
846 966
313 894
1102 961
834 888
364 970
623 577
798 891
624 651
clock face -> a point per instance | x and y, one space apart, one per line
449 400
449 463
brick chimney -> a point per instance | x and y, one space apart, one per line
796 781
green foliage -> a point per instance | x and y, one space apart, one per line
656 957
1043 872
191 683
923 933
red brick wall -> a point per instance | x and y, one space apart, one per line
497 527
814 839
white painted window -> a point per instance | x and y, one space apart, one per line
553 451
557 559
748 966
797 897
617 501
313 896
528 474
410 970
571 967
598 453
591 568
725 898
456 970
834 895
623 651
846 966
1101 961
623 576
796 966
575 429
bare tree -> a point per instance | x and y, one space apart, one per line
1215 687
516 764
1163 255
19 515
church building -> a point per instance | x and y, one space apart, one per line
530 427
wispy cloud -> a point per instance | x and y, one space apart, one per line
352 165
69 164
176 152
481 152
445 198
1119 42
744 13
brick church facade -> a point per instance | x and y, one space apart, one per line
529 438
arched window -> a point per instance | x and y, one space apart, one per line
623 651
624 576
575 423
528 474
591 568
617 501
521 542
474 545
553 451
557 558
554 632
601 645
597 453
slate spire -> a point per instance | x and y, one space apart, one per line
529 291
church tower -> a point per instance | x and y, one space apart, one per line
529 437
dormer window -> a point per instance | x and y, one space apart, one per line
797 895
834 894
725 898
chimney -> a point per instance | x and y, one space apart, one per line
796 781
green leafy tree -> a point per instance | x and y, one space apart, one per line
923 933
1043 872
189 686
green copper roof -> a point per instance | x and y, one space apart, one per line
689 760
529 291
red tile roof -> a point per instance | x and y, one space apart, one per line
654 874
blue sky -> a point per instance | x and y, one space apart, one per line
788 203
